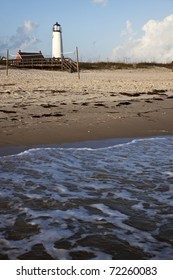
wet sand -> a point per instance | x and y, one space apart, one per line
46 107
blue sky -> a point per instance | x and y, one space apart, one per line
116 30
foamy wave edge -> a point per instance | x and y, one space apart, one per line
131 142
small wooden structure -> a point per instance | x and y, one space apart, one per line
37 60
28 55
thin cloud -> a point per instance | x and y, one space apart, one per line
156 44
103 2
23 39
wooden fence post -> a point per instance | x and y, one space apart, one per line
77 60
7 62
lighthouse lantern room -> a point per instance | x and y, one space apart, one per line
57 45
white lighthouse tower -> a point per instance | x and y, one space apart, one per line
57 46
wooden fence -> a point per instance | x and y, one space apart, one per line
52 63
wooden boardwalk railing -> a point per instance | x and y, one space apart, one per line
53 63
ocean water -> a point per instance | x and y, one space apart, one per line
113 202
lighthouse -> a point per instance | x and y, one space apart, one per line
57 46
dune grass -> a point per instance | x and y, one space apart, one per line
121 65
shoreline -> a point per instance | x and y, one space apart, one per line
91 144
43 108
88 142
